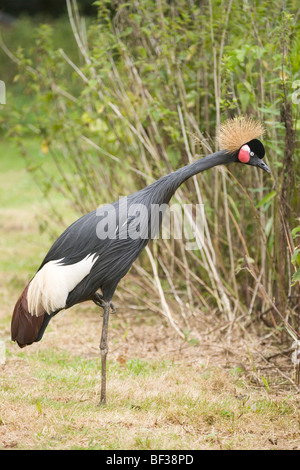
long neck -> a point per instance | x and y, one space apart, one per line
204 163
168 184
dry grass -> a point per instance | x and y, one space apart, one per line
163 393
49 396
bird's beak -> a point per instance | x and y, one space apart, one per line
255 161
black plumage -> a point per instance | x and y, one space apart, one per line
116 255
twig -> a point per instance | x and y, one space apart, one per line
161 293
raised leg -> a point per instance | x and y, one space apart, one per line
98 300
104 351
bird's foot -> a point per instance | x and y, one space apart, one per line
112 307
98 300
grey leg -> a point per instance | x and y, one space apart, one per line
104 351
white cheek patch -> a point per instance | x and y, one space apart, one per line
49 289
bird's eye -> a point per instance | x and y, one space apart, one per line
251 154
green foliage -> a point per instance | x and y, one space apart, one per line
296 256
266 199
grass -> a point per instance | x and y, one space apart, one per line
50 402
163 392
17 185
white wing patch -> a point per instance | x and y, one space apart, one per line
49 289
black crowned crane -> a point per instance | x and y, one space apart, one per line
82 261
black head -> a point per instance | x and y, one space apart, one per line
252 153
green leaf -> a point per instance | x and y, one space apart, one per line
39 406
295 232
244 99
268 226
296 257
266 199
265 383
296 277
234 207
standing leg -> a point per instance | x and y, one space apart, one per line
104 351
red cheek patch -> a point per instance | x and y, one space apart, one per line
244 154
